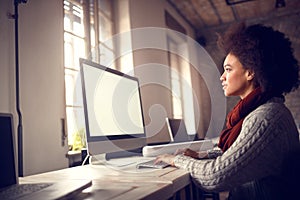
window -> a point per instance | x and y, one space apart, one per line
180 76
177 98
181 86
87 25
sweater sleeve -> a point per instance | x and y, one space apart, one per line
213 153
257 152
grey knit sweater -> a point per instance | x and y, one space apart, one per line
267 134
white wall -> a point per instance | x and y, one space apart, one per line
41 80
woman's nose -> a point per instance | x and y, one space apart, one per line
222 77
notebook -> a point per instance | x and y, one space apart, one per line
9 183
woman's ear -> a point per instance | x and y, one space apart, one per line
250 75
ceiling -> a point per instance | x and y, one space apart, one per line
216 13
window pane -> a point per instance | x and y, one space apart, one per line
105 27
107 57
74 49
73 18
105 7
176 88
79 50
75 123
73 88
67 23
176 94
68 48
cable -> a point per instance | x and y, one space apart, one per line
85 159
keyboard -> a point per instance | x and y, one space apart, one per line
19 191
155 150
152 164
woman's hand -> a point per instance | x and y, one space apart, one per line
191 153
167 158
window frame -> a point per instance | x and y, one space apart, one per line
89 12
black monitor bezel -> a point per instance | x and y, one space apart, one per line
90 138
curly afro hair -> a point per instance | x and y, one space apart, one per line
265 51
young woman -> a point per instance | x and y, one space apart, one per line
260 130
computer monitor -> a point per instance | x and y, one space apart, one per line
113 110
178 132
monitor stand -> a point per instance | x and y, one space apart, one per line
117 159
123 154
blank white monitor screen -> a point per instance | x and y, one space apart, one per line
113 109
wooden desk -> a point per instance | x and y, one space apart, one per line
122 183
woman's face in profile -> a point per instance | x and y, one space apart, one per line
236 80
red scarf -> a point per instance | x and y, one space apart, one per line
237 115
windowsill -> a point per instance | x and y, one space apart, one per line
75 157
73 154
